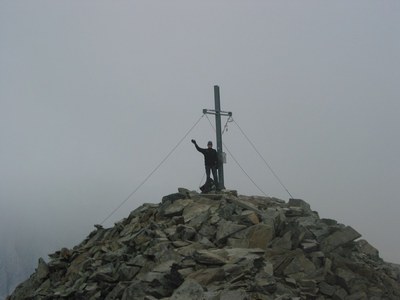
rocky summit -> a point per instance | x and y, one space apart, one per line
217 246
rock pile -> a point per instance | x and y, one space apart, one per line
219 247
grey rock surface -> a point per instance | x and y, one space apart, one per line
218 247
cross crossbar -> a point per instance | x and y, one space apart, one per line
214 112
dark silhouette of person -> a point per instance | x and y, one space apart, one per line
210 161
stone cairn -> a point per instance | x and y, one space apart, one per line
218 247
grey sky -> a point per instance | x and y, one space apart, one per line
93 94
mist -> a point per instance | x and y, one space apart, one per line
95 94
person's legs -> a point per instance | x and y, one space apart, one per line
208 173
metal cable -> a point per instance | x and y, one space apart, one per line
226 125
248 176
152 172
267 164
255 184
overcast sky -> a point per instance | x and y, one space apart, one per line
95 94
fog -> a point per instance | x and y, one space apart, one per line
95 94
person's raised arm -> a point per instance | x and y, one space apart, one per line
197 147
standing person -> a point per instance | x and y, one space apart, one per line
210 161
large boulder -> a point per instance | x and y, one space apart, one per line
339 238
256 236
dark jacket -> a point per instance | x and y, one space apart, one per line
210 156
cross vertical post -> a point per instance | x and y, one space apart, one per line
218 113
219 136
